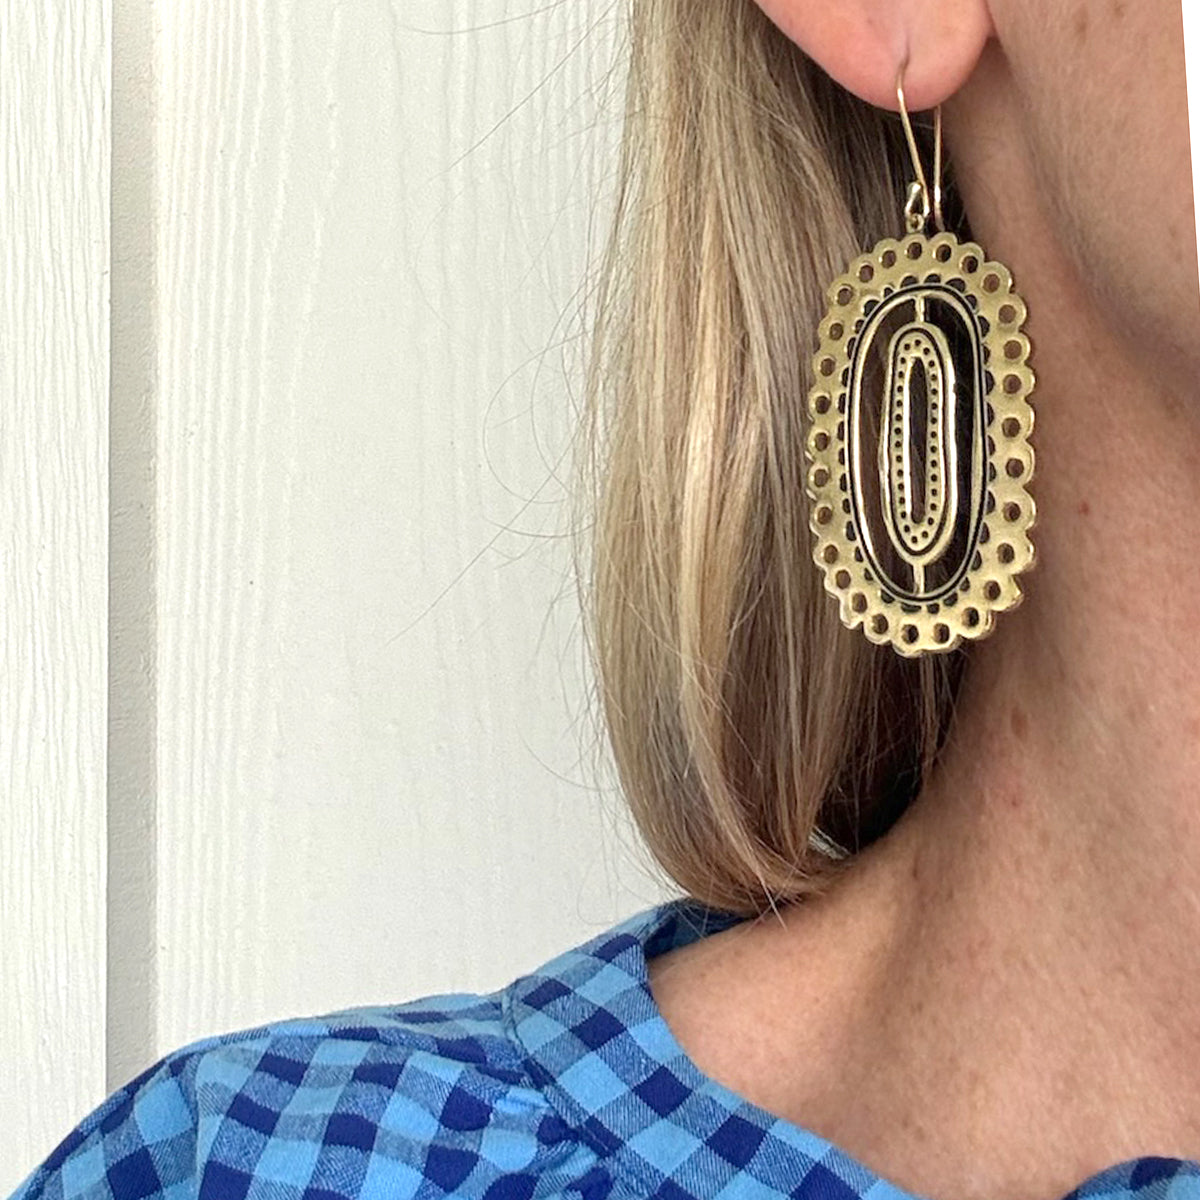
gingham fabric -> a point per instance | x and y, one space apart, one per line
567 1083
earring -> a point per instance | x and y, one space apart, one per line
918 448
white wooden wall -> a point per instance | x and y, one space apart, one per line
292 714
54 363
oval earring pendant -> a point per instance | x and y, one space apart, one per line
919 457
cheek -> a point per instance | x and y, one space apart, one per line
1112 146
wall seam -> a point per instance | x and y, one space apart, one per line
131 902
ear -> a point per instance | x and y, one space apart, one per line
862 44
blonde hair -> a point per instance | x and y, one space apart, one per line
759 743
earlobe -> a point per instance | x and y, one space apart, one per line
862 44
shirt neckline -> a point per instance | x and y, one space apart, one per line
601 1050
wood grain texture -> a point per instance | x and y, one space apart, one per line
54 171
374 766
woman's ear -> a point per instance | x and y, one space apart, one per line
861 44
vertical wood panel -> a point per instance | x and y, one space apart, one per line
54 175
373 761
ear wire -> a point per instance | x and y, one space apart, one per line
919 192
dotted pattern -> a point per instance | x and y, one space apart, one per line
1002 548
918 347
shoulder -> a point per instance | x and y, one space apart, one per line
555 1084
368 1103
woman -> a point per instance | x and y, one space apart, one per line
942 935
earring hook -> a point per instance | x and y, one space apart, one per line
917 207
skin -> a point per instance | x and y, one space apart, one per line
1001 997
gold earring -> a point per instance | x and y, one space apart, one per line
918 448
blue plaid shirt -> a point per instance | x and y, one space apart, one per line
566 1083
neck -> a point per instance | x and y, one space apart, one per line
1052 862
1080 717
